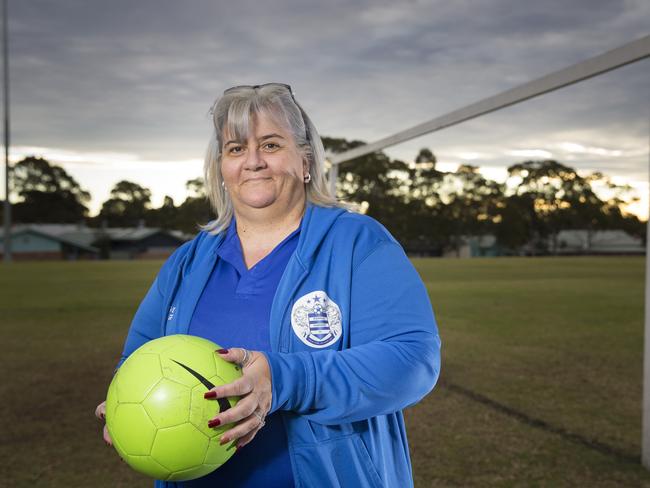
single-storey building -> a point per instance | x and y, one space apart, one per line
34 242
140 242
580 241
72 241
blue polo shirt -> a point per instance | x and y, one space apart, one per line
234 311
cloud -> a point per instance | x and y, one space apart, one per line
530 153
108 160
98 172
123 77
576 148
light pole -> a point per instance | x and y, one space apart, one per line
645 424
7 206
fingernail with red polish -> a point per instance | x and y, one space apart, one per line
210 394
222 351
214 423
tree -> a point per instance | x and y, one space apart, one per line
613 214
556 191
469 204
196 188
516 222
47 193
424 182
130 205
426 156
195 210
423 219
132 193
165 216
550 197
127 206
374 182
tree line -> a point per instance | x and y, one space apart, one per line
431 211
427 209
45 193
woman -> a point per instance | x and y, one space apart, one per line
321 306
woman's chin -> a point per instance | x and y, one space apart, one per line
260 202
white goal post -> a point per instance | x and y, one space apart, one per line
628 53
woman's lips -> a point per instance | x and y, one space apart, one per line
257 179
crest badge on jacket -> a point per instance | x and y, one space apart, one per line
316 319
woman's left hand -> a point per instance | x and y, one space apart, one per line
254 388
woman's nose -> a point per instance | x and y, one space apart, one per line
255 160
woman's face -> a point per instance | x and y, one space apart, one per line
267 169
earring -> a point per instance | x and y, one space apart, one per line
307 178
223 185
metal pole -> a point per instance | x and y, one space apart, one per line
626 54
7 206
645 429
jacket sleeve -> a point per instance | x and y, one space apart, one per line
148 319
145 325
394 354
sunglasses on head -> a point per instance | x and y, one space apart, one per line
255 87
281 85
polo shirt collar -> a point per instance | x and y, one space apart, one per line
230 249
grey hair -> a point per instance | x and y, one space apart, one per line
233 114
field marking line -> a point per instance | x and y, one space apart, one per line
593 444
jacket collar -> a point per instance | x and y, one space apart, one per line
316 223
202 255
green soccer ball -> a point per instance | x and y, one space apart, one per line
155 410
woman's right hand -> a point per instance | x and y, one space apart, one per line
100 413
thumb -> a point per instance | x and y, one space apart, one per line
107 437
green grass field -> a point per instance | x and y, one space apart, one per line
540 384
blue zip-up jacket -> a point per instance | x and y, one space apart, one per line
341 373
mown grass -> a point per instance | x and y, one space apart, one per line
556 340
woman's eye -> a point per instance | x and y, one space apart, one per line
235 149
271 146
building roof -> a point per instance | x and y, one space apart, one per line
129 233
83 236
56 235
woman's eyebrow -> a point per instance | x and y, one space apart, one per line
269 136
263 138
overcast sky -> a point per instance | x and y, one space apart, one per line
121 89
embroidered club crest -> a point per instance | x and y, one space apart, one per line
316 319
